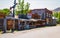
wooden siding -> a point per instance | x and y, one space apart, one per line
35 16
1 23
16 24
10 24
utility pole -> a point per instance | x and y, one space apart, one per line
14 8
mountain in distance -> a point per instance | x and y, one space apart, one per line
57 9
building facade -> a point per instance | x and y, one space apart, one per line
44 14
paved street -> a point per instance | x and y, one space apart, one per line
44 32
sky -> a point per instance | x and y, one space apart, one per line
34 4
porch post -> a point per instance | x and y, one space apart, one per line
19 24
5 25
13 27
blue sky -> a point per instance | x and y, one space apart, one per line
34 4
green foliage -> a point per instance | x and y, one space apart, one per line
5 11
17 12
26 8
57 15
22 8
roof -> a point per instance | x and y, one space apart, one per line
45 9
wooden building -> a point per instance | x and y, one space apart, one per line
35 16
2 16
43 14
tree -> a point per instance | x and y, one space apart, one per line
22 8
57 15
26 8
5 11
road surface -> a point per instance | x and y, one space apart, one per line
45 32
